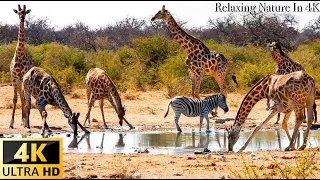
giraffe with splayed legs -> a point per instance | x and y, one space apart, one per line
285 64
200 60
20 64
44 88
100 86
289 92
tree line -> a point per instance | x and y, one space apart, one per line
248 28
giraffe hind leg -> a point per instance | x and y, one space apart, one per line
23 103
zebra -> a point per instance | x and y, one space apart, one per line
194 107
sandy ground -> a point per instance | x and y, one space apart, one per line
146 110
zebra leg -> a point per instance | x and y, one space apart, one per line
176 120
208 123
201 120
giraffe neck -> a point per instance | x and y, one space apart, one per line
20 51
60 100
280 57
117 98
257 92
186 41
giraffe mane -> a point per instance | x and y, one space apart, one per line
267 76
183 31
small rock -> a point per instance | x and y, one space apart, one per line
207 156
91 176
252 155
99 164
68 135
275 156
78 177
214 168
197 152
222 177
170 162
255 158
206 150
136 175
221 158
82 163
128 159
91 164
94 120
71 173
177 174
191 158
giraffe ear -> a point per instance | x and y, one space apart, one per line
28 11
163 8
15 11
78 114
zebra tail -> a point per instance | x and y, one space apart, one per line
234 78
167 109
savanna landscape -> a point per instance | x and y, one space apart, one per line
148 68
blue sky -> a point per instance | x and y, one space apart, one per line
100 13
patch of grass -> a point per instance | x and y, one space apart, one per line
303 168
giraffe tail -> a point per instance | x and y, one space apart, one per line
167 109
234 78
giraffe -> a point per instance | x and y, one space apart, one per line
100 86
200 60
285 64
20 64
288 92
44 88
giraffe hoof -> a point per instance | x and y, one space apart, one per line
11 126
49 130
22 124
28 130
276 123
179 130
131 127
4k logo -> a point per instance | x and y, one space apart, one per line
31 158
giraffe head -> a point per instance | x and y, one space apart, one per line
276 47
121 114
73 120
233 136
22 12
162 14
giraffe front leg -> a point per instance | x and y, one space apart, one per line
23 103
271 113
91 102
220 76
15 99
101 103
285 124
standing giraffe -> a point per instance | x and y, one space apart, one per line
20 64
200 60
44 88
285 64
288 92
100 86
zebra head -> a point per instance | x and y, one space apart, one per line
222 103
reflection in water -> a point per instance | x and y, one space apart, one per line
172 142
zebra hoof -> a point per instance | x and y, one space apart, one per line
276 123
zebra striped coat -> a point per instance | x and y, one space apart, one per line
194 107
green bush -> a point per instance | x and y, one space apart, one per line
156 63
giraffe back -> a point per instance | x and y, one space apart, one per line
43 85
291 89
